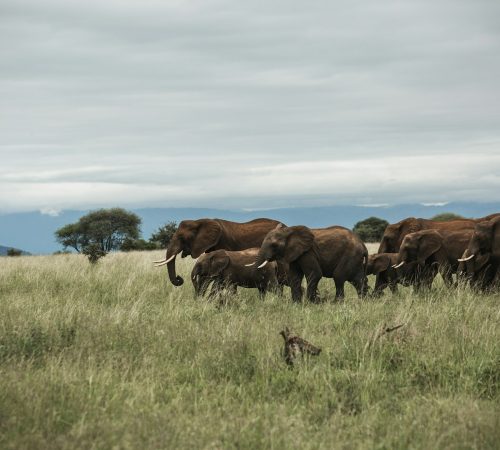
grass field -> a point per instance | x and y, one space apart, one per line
113 356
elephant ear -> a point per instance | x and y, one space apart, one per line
299 241
196 271
429 244
218 263
480 261
380 263
207 237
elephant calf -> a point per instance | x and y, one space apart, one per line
228 269
382 266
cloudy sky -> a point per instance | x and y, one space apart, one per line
245 104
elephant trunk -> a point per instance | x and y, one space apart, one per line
383 247
402 259
175 279
261 259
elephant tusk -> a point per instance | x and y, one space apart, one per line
160 261
171 258
263 264
161 264
395 266
166 261
250 265
466 259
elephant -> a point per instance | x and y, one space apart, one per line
395 233
482 256
229 269
480 278
333 252
382 266
194 237
435 248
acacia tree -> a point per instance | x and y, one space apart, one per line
105 228
371 229
164 234
71 235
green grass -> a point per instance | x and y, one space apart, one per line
113 356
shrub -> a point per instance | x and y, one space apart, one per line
93 252
164 234
371 229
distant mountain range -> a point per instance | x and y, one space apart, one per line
34 231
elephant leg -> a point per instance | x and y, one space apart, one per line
361 287
339 289
424 277
312 286
226 289
393 286
380 285
278 289
447 276
215 290
296 276
310 267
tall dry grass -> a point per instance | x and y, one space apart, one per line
113 356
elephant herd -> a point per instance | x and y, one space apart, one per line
267 255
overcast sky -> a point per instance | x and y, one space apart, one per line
248 104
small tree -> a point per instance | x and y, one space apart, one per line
163 236
14 252
107 228
110 227
445 217
71 235
371 229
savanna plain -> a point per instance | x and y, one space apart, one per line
114 356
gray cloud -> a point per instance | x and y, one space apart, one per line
249 104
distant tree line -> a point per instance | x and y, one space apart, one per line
102 231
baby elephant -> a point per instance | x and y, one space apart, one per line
227 269
382 266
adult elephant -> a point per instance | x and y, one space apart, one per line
395 233
482 257
195 237
432 247
333 252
